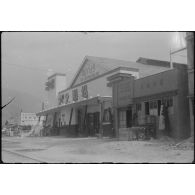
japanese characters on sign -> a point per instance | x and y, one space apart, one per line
88 72
125 92
75 95
84 91
61 99
66 98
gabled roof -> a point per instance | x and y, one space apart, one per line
109 64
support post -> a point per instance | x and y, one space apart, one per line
70 117
101 117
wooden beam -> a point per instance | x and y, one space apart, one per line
101 117
70 117
85 117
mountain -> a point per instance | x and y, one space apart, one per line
23 101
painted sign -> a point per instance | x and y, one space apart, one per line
88 72
125 92
75 95
84 91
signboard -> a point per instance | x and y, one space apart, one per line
125 92
76 94
88 72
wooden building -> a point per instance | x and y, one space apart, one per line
142 97
86 107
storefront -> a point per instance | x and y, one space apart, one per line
89 117
91 106
139 101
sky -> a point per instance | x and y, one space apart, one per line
27 56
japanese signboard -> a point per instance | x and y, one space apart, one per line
125 92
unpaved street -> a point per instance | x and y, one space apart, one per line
93 150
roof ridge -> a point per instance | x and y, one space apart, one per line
106 58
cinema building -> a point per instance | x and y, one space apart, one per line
105 93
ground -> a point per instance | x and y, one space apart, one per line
93 150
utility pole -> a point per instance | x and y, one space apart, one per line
171 63
8 103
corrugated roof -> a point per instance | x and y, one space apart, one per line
154 62
109 64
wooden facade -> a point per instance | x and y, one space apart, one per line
105 94
143 97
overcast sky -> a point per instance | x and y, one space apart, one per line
27 56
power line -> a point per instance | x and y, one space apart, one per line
23 66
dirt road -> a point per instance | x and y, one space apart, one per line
94 150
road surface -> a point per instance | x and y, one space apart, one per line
11 157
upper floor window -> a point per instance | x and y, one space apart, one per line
75 95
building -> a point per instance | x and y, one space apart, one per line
86 107
190 61
144 96
29 119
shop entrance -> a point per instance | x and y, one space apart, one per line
80 122
129 117
125 118
92 123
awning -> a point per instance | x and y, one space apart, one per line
90 101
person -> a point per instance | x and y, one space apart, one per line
166 119
135 119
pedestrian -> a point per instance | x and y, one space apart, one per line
165 113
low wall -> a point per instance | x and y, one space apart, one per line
123 134
69 131
108 130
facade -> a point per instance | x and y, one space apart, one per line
190 61
30 119
87 107
143 97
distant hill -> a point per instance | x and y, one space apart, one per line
23 101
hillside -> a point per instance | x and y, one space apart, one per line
23 101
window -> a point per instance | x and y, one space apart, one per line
147 108
106 117
153 108
138 107
168 101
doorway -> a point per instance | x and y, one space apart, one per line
129 117
80 121
90 124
